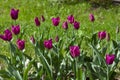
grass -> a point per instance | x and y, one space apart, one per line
105 19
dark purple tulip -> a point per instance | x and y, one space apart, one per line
37 22
14 14
56 21
16 29
70 19
48 44
91 17
32 39
7 36
76 25
20 44
42 18
65 25
101 35
56 38
74 51
110 58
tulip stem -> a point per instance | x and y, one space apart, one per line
75 69
107 72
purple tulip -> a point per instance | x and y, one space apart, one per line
91 17
20 44
76 25
65 25
32 39
37 22
74 51
48 44
7 36
70 19
14 14
42 18
101 35
110 58
56 38
56 21
16 29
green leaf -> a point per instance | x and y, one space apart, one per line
4 74
25 75
5 58
44 62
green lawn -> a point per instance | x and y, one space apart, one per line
105 19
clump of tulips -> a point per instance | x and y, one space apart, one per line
60 57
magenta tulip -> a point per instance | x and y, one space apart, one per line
56 38
16 29
48 44
37 22
74 51
65 25
91 17
76 25
101 35
32 40
56 21
7 36
70 19
110 58
20 44
42 18
14 14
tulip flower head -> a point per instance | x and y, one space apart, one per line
65 25
32 40
20 44
48 44
110 58
16 29
37 22
42 18
70 19
7 36
14 14
101 35
56 21
74 51
56 38
91 17
76 25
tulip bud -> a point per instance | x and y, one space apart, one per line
110 58
20 44
70 19
74 51
37 22
48 44
108 37
42 18
56 38
101 35
16 29
65 25
7 36
32 39
91 17
56 21
14 14
76 25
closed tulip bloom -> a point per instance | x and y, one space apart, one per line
56 21
14 14
37 22
7 36
101 35
65 25
48 44
32 40
76 25
110 58
20 44
42 18
56 38
16 29
74 51
91 17
70 19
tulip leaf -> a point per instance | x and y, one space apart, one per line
5 58
25 75
4 74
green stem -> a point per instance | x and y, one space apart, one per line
107 72
75 69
